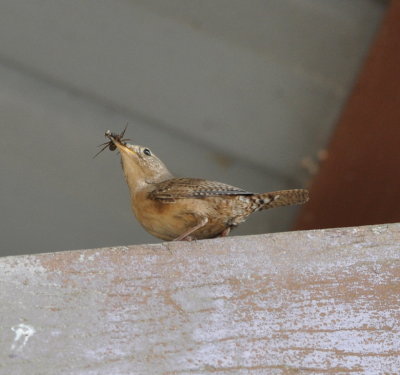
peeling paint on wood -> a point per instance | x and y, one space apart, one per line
320 302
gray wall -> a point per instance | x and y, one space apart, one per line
232 90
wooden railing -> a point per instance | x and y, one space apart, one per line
325 302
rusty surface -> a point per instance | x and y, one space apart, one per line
359 183
320 302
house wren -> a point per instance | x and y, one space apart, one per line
187 208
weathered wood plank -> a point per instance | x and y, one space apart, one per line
316 302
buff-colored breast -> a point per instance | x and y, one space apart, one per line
168 220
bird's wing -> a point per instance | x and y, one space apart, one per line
178 188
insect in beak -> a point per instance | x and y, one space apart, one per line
110 144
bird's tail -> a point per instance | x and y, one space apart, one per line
280 198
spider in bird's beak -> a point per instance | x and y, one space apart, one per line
112 139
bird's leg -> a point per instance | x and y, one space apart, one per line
225 232
186 235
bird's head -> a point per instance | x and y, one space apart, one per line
141 166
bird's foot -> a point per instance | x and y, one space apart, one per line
186 238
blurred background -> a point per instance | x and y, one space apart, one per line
245 92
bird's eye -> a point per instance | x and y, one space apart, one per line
147 152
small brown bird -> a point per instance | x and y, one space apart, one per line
187 208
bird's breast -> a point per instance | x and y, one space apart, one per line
164 220
169 219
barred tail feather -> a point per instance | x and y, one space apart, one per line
280 198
